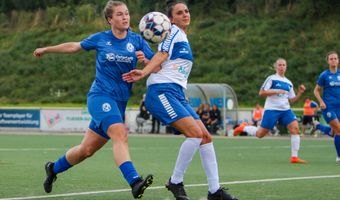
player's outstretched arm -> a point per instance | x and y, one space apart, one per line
68 47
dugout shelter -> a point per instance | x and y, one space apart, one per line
215 93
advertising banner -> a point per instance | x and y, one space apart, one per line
75 120
19 118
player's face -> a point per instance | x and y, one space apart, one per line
120 18
333 60
181 16
281 67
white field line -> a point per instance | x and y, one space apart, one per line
134 148
162 187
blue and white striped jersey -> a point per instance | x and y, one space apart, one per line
177 67
115 57
279 101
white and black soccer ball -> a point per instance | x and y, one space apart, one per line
155 27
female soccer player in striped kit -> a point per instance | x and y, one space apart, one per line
166 101
329 81
118 50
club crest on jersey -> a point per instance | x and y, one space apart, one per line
106 107
338 78
110 56
130 47
328 114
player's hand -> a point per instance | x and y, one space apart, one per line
302 88
133 75
141 57
39 52
323 105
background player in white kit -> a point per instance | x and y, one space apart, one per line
279 92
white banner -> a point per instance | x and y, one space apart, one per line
72 120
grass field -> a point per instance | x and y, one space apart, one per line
250 168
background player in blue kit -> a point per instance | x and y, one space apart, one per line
166 101
118 50
279 92
329 81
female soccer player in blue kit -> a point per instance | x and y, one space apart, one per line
118 50
329 81
166 101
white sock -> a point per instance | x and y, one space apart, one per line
185 155
251 130
295 144
209 163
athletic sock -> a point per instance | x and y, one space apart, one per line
295 144
209 163
324 129
129 172
185 155
337 144
251 130
61 165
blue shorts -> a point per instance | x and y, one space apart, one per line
271 117
105 111
330 114
167 103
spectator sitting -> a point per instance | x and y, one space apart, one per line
215 119
205 117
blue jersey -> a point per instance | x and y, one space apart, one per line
114 58
331 88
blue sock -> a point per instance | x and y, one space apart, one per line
337 144
324 129
129 172
61 165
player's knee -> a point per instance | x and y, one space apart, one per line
86 151
193 132
206 138
261 134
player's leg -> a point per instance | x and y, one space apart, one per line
336 128
209 163
164 102
327 130
332 118
289 120
119 136
188 127
304 125
89 145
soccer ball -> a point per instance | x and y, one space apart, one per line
155 27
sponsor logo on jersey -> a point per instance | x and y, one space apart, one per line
130 47
118 58
106 107
110 56
333 83
183 50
